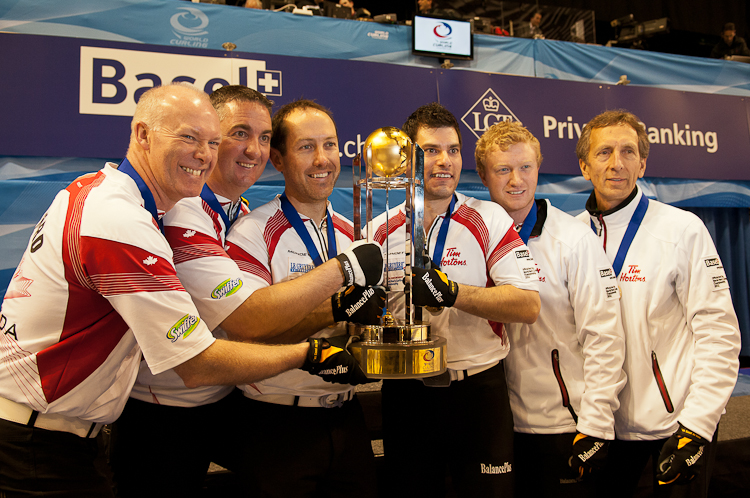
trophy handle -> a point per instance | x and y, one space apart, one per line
357 189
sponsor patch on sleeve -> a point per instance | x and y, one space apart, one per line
715 271
526 263
609 283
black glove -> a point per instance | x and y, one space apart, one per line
679 457
328 358
363 305
362 263
589 454
432 288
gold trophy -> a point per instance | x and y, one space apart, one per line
399 347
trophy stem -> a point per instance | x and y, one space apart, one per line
387 251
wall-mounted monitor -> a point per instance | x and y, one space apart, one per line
445 38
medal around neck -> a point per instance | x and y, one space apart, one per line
400 347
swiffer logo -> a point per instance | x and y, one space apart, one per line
443 30
192 22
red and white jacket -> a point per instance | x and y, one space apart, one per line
482 249
197 235
268 250
95 288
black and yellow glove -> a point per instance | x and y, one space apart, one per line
679 457
356 304
432 288
589 455
329 359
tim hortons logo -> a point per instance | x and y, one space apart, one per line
486 111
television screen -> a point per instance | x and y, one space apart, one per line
444 38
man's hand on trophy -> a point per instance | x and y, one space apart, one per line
356 304
329 358
432 288
362 263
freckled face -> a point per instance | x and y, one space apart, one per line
511 176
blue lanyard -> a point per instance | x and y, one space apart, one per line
148 197
208 195
635 223
528 224
299 226
443 234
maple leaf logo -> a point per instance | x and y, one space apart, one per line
19 285
150 261
188 234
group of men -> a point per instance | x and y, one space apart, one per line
576 351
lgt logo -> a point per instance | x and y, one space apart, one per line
485 112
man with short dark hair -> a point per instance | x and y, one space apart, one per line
564 371
730 44
459 422
307 438
96 295
681 330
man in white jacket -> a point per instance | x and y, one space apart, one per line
681 330
565 370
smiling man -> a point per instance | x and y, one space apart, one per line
96 296
308 438
492 277
564 371
681 330
162 410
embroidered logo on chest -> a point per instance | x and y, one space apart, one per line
632 273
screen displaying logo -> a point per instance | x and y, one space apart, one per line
442 30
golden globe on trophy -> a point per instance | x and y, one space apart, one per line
400 347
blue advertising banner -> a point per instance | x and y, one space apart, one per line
82 93
202 25
692 135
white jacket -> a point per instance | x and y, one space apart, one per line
683 339
572 355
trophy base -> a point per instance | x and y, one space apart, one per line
401 360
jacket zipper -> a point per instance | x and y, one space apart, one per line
561 383
661 384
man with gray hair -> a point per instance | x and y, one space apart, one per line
96 293
681 330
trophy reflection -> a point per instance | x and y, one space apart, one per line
400 347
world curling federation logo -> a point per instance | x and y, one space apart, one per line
189 28
486 111
442 30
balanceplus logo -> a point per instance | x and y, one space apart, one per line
486 111
495 469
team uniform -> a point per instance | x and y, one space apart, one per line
565 370
162 411
96 290
681 329
312 433
467 425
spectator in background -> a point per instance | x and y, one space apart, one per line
532 29
253 4
430 8
730 44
